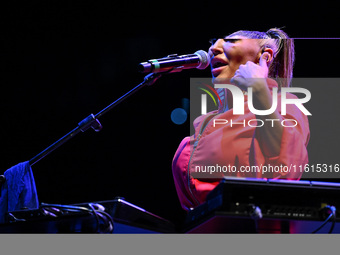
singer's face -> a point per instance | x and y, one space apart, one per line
229 53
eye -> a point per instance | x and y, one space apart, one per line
230 40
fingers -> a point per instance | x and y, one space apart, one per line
242 75
239 81
246 75
263 59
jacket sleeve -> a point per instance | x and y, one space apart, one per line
293 154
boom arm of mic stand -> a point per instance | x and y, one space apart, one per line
92 120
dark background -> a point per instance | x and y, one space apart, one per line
62 60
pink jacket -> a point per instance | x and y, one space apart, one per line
236 147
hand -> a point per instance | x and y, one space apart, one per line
252 75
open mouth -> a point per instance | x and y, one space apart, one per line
217 62
217 66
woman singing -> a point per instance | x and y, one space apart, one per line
263 62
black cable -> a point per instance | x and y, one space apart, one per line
332 227
72 208
255 213
13 218
323 224
105 217
331 215
69 208
97 217
333 209
108 220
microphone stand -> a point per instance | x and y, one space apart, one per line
92 120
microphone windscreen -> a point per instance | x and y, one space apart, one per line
204 59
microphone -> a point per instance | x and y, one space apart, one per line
174 63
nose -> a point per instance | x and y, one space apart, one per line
216 48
